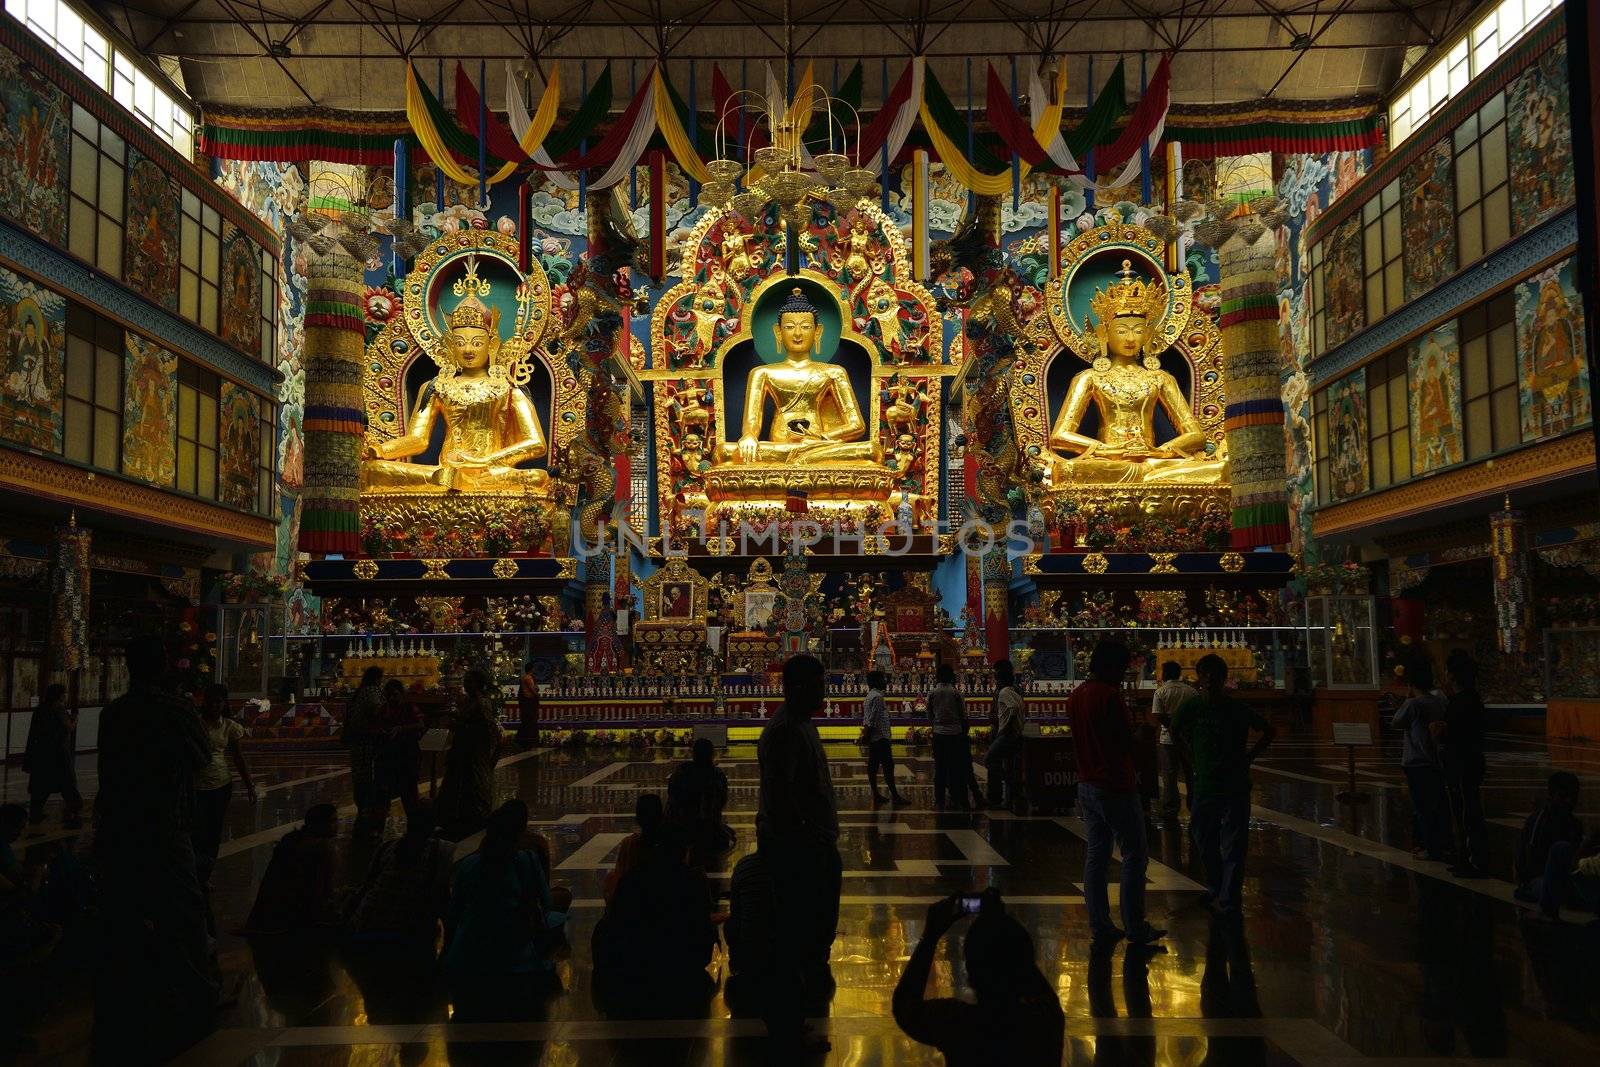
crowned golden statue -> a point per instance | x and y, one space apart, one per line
490 425
1127 385
815 417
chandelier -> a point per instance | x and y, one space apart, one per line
785 170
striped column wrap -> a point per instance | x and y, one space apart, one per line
335 415
1253 419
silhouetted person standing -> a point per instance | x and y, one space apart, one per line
797 830
1102 738
1464 765
879 737
1169 697
157 984
1213 731
48 759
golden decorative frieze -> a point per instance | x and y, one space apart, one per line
1232 562
1543 462
38 476
1095 563
1163 563
365 569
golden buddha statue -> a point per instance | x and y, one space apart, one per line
816 418
1126 392
490 423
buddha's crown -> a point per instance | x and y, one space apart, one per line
1129 296
469 314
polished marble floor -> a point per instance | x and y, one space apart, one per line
1350 948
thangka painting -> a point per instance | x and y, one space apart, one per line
1347 433
33 329
1428 215
35 124
150 260
239 434
1539 140
1435 378
241 290
1343 282
1551 366
149 410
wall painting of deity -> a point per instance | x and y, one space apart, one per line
149 410
33 330
241 290
1347 433
151 253
35 124
1428 215
1435 381
239 432
1551 366
1539 140
1344 282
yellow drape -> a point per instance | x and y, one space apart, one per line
422 125
673 133
969 176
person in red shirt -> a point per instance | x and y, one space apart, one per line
1109 796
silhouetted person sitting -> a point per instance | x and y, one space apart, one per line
403 896
752 927
1552 823
297 890
502 922
697 792
652 945
157 984
1017 1019
651 818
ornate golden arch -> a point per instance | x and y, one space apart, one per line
413 333
1190 330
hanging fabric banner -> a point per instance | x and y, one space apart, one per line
69 597
335 416
441 138
886 134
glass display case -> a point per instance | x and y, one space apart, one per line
1257 656
321 665
248 658
1342 637
1572 662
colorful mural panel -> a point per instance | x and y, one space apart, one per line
1539 140
1434 368
150 259
241 290
1347 433
1551 366
239 434
149 411
1428 215
35 124
1343 282
33 329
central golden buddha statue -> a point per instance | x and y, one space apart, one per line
491 427
1126 392
816 419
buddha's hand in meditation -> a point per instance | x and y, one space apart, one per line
465 459
747 449
370 451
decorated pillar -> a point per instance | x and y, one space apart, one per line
69 597
335 416
1513 604
1257 451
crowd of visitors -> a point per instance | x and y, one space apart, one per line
490 922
